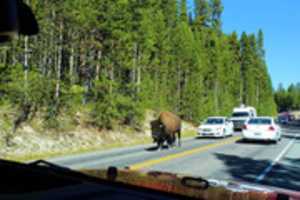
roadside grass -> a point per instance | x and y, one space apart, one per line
7 113
109 146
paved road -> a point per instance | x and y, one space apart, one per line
222 159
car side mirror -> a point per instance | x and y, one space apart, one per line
16 18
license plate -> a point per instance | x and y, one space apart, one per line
257 133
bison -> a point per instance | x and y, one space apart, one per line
165 128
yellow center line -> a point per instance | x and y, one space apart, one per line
149 163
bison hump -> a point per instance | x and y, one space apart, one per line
171 122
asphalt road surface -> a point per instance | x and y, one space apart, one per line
221 159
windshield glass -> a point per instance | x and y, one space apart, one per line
214 121
260 121
129 83
240 114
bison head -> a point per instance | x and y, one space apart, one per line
156 129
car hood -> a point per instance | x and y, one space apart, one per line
174 183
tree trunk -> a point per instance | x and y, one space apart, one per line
111 77
71 65
139 79
139 75
216 100
59 61
257 94
98 66
178 89
45 58
26 62
133 72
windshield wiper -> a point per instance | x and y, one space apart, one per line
44 163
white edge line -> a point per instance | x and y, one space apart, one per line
270 167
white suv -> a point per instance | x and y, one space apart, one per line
216 127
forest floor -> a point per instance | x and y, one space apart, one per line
32 141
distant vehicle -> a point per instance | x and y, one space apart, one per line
241 114
216 127
283 120
261 128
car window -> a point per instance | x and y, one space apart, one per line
260 121
240 114
215 121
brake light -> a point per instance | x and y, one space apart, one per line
271 128
244 127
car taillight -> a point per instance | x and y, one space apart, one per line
244 127
271 128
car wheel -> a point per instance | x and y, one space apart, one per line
279 139
224 133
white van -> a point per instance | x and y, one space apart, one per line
241 114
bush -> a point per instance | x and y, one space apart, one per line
116 110
38 90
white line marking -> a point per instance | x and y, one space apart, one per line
277 159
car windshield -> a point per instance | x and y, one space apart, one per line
260 121
214 121
240 114
133 84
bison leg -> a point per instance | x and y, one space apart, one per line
160 143
171 140
179 137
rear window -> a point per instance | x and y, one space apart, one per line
240 114
215 121
260 121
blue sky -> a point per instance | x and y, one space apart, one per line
280 21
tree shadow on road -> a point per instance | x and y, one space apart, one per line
291 136
247 169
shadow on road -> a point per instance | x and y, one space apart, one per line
291 136
247 169
241 141
207 138
155 148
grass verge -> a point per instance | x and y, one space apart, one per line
118 144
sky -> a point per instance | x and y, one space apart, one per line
280 22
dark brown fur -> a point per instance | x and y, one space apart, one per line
165 129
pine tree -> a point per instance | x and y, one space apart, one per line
202 12
118 58
183 11
216 14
